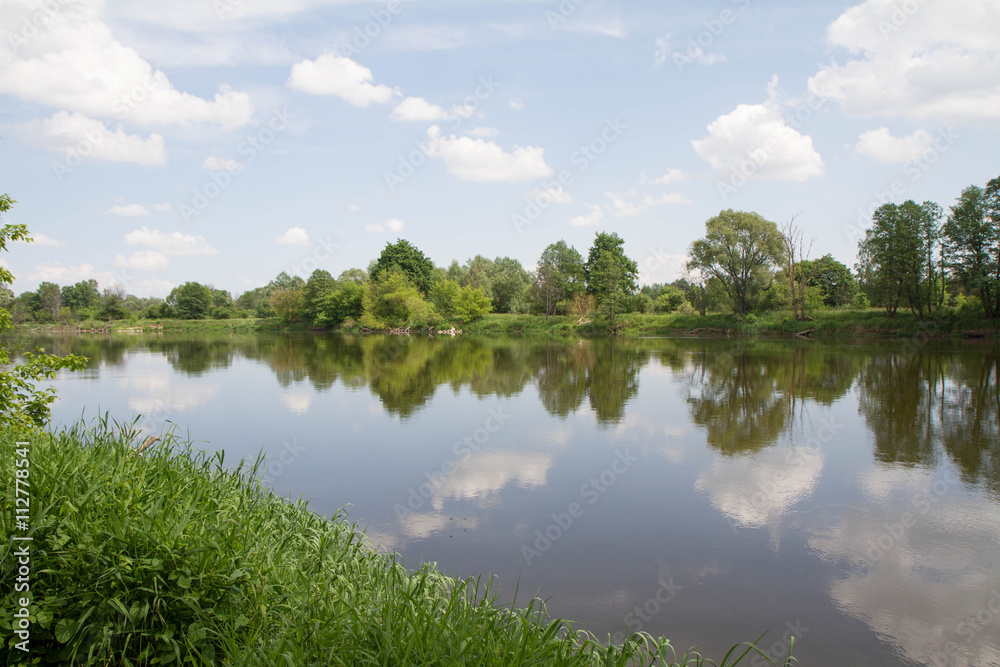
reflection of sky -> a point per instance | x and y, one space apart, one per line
920 561
757 490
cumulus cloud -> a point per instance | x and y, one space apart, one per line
86 138
56 272
591 219
394 225
43 240
176 243
76 64
755 141
553 195
338 75
672 176
938 63
213 163
881 146
630 204
128 210
143 260
417 108
294 236
484 161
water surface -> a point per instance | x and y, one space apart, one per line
711 489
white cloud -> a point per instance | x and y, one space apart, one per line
143 260
55 272
178 244
939 63
337 75
483 161
591 219
86 138
516 105
394 225
620 207
755 141
485 132
556 195
44 241
76 64
294 236
672 176
128 210
213 163
417 108
881 146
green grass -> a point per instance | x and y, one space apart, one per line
172 558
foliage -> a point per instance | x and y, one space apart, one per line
972 247
472 304
84 294
22 404
582 305
191 301
611 275
739 250
287 302
835 281
317 288
414 264
391 300
559 275
342 304
669 299
444 294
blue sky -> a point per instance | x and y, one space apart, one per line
225 141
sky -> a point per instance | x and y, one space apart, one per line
225 141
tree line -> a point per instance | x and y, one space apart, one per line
913 256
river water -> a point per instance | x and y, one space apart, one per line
711 490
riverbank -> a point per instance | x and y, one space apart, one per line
833 324
144 559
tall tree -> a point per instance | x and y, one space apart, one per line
969 241
314 294
417 267
84 294
51 299
833 279
739 249
559 275
611 274
192 301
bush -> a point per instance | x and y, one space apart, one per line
472 304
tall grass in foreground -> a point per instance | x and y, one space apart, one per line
171 558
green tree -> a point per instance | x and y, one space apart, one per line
739 250
191 301
558 276
611 274
970 247
472 304
113 303
84 294
417 267
51 299
342 304
317 288
893 256
834 280
509 284
22 404
357 276
443 295
669 299
287 302
391 300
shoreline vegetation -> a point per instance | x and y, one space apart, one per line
187 559
832 324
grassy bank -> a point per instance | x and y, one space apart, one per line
169 557
833 324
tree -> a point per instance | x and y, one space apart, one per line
443 295
357 276
611 274
319 285
22 404
342 304
833 279
558 276
970 243
414 264
191 301
113 303
893 255
472 304
84 294
51 299
392 300
509 284
791 237
739 249
669 299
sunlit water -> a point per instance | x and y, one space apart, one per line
712 490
